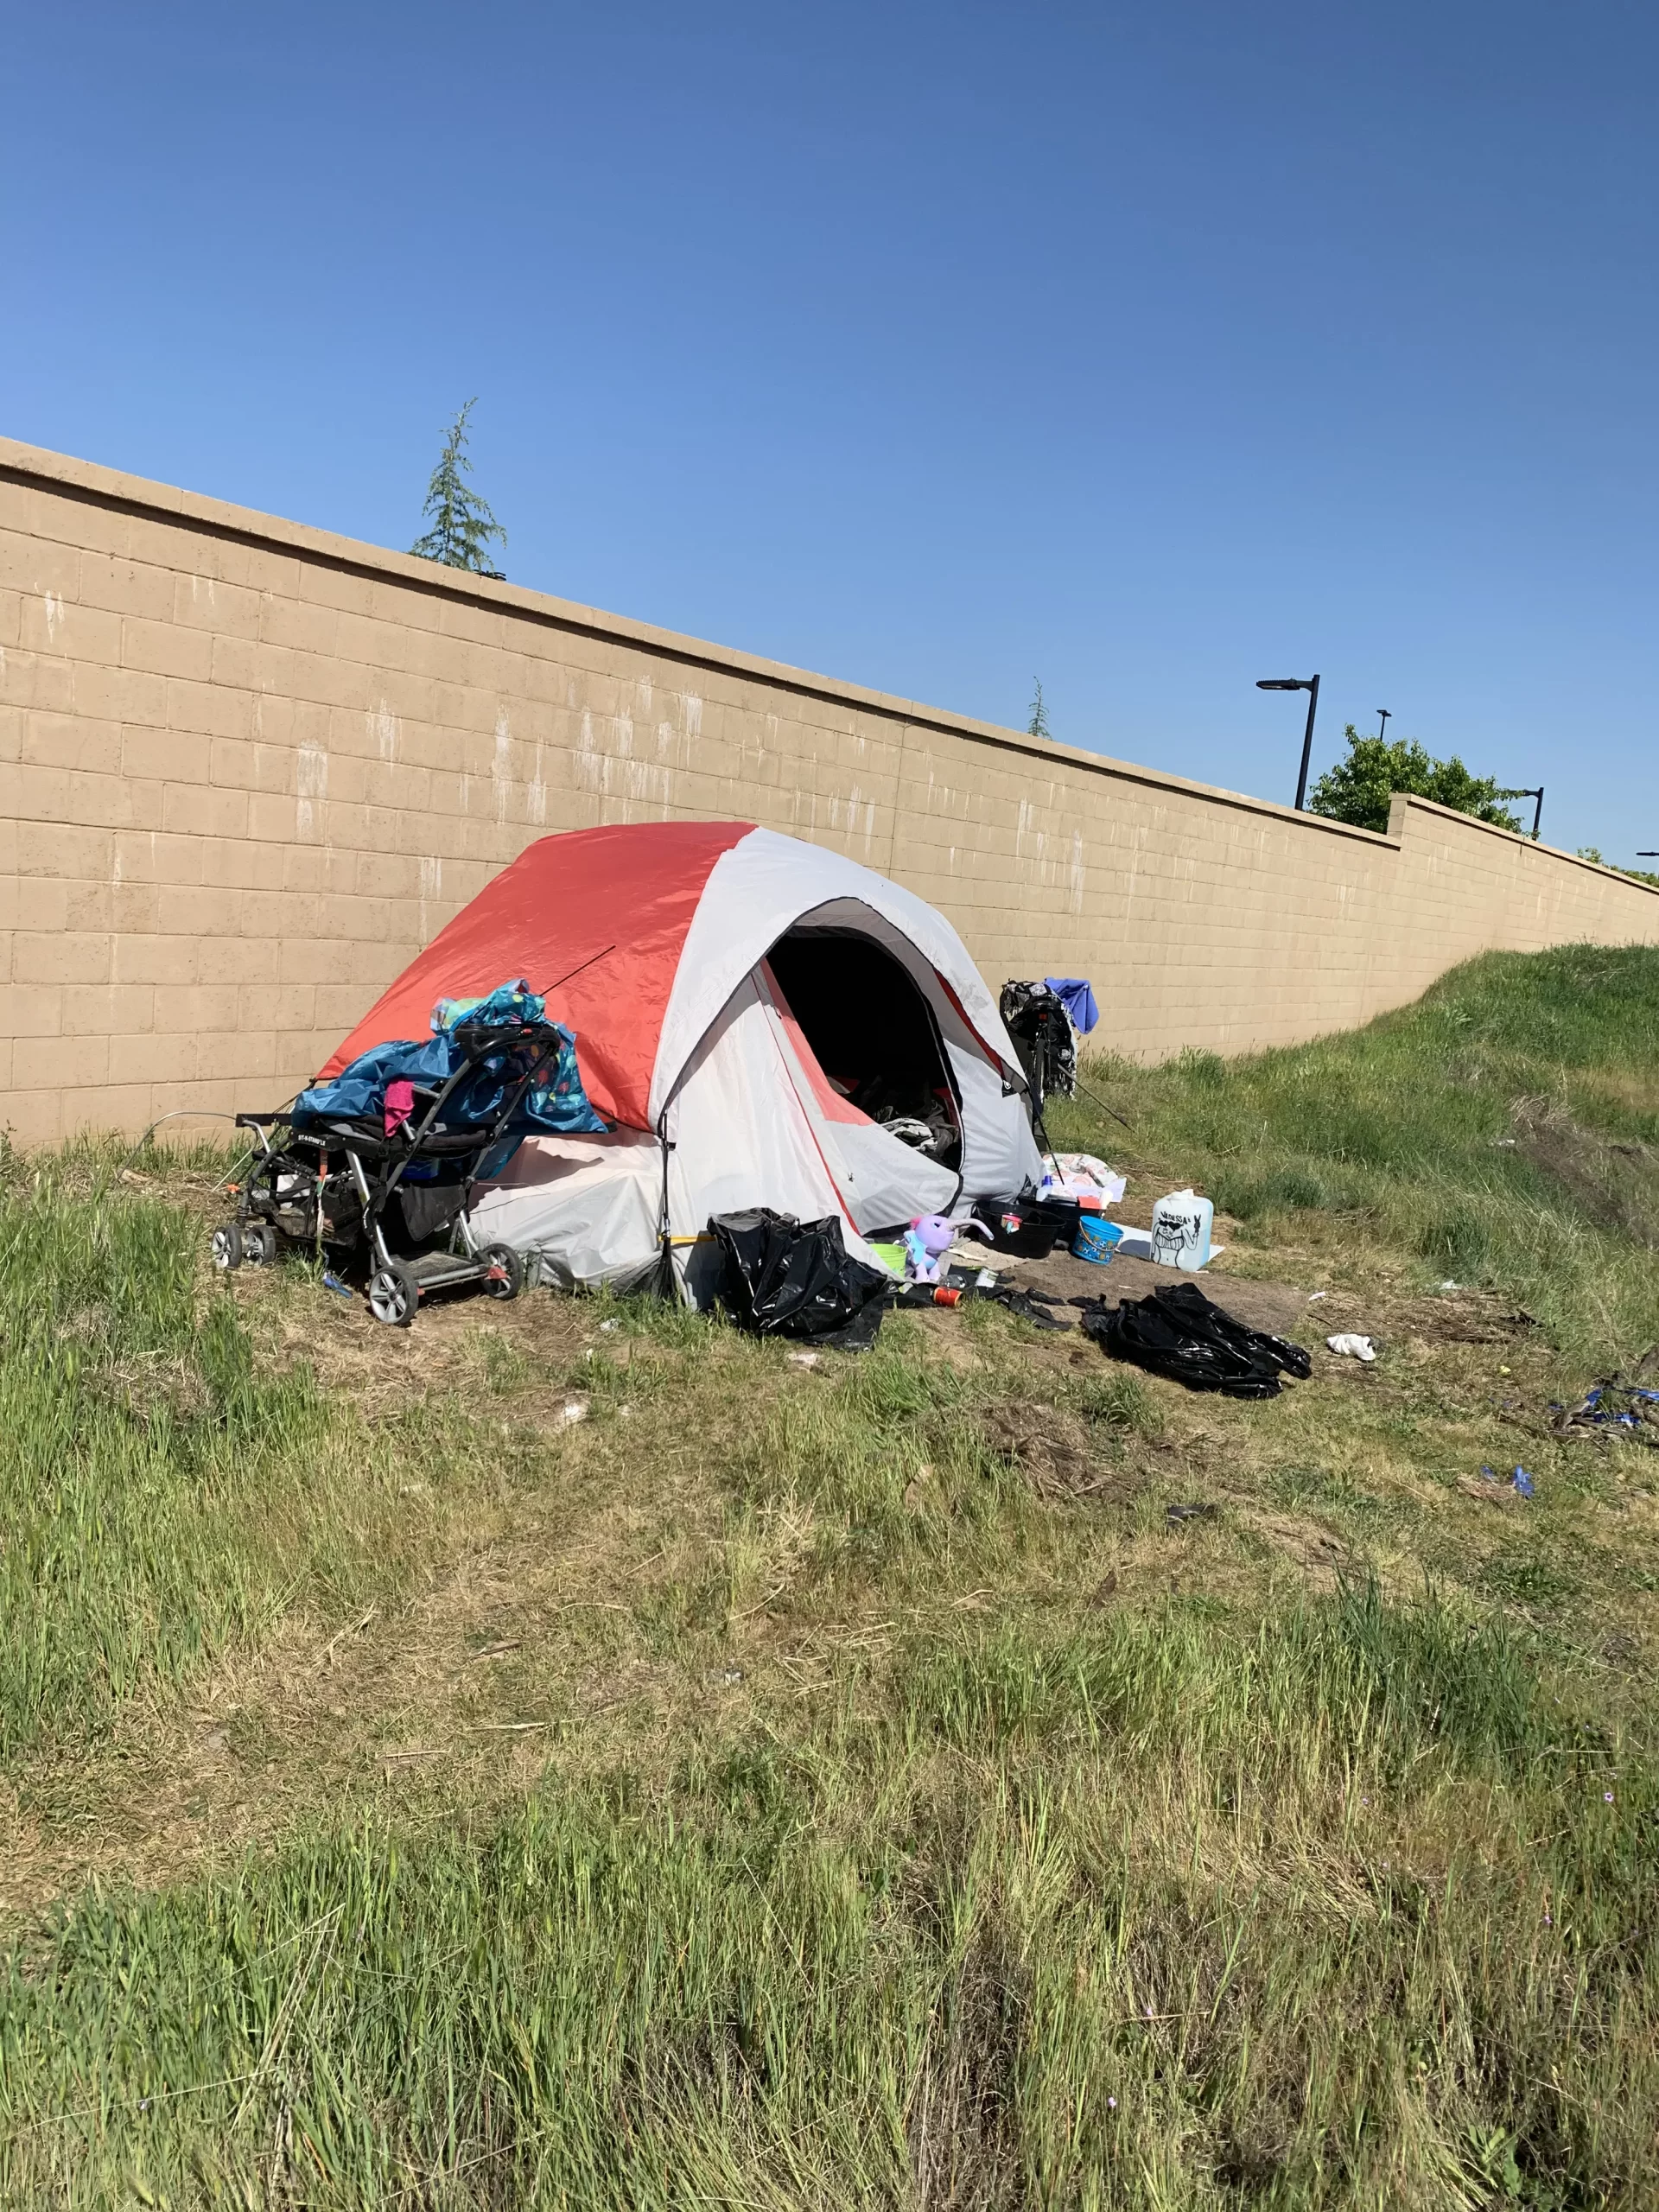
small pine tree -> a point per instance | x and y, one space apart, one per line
1358 789
462 525
1038 725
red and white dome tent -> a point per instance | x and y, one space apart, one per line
733 992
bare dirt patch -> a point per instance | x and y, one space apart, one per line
1050 1448
1280 1308
1614 1181
1320 1554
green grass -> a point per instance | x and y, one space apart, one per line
163 1497
1406 1130
1333 1914
778 1788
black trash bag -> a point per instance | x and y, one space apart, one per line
1177 1331
788 1278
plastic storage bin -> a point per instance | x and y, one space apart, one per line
1027 1227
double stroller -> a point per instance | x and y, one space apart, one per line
386 1190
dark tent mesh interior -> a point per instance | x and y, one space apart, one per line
873 1034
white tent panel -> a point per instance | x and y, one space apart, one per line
762 886
589 1206
1000 1157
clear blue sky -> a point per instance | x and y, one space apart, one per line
1145 349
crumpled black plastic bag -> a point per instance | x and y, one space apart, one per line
1178 1332
789 1278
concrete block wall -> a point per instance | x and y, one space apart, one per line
248 769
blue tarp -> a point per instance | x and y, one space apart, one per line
555 1103
1079 1000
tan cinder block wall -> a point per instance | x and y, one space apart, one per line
248 769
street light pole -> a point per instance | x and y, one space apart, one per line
1311 685
1383 718
1529 790
1307 743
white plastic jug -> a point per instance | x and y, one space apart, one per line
1180 1230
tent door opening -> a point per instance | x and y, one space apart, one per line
874 1035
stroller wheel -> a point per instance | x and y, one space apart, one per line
227 1245
506 1276
394 1296
259 1245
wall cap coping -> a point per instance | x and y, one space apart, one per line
1404 801
64 473
87 479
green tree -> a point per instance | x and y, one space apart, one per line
462 524
1358 789
1635 874
1038 725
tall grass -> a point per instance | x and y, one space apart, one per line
160 1498
1407 1129
1165 1916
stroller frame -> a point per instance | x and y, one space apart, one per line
329 1187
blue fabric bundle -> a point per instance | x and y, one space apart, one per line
1079 999
556 1102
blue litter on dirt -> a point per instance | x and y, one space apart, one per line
341 1289
1520 1481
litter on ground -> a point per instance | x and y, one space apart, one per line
1519 1482
1612 1411
1348 1345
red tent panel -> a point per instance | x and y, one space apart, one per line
633 888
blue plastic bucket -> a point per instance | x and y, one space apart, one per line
1097 1239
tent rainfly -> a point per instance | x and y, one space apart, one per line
763 1022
